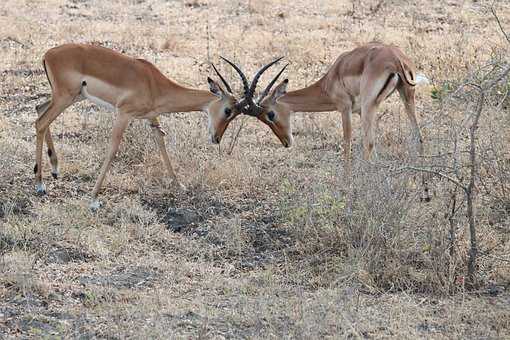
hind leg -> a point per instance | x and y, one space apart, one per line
52 154
407 95
54 108
374 89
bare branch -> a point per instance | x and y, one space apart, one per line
502 101
236 136
498 79
499 24
434 172
495 257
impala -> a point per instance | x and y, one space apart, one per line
358 81
134 89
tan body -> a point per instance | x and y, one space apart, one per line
133 88
358 81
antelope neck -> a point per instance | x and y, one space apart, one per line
176 98
308 99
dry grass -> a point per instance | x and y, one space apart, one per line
261 246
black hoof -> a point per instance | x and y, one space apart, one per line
54 175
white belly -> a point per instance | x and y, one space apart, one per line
96 100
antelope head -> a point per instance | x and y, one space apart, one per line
266 108
222 111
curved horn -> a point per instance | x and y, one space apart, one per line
227 86
268 87
255 80
241 74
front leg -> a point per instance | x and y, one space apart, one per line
120 125
344 105
347 129
159 134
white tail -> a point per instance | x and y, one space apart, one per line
421 79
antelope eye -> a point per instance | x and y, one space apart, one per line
228 111
270 115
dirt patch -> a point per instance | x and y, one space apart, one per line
8 243
62 255
176 219
136 277
266 242
40 326
196 216
187 214
217 327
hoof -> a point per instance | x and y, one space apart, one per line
54 175
95 205
40 189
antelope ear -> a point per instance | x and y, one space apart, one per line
279 90
215 88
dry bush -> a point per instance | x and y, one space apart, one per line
383 238
384 242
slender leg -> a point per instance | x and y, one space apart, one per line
374 92
42 124
41 109
52 154
119 127
347 129
367 126
370 89
159 136
344 105
407 95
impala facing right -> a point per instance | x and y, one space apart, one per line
133 89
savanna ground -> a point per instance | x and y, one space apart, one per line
261 245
